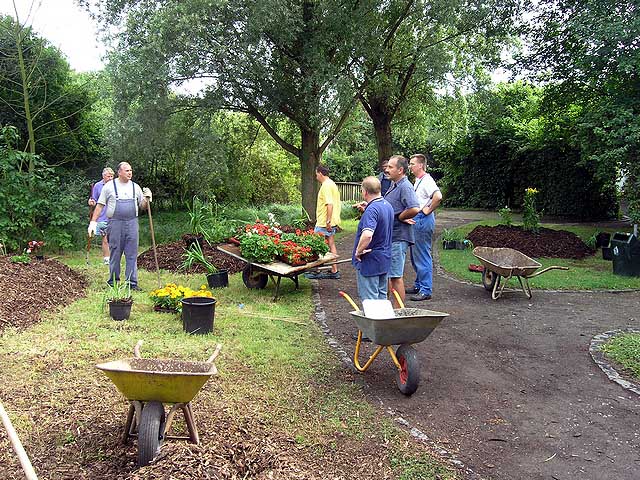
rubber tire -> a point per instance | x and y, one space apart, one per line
408 378
489 279
150 432
253 278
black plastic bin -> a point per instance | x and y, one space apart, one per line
625 248
197 314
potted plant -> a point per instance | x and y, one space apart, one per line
119 299
198 211
452 240
216 278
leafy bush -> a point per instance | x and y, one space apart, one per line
505 216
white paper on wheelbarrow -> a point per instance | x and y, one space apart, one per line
378 309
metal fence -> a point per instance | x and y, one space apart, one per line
349 191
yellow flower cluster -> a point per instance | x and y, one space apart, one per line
531 191
170 296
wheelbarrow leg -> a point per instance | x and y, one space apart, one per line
128 424
526 288
191 424
497 294
275 297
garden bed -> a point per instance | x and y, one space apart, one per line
29 289
170 258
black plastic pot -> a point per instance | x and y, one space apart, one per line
602 240
220 279
607 254
119 310
449 244
197 315
191 239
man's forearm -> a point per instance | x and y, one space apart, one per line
96 212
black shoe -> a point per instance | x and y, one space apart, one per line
420 296
136 288
411 291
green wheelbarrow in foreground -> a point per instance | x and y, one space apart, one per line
505 263
150 383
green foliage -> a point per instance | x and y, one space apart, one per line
505 216
592 241
625 349
193 255
32 204
199 214
530 216
118 292
23 258
258 248
511 134
452 235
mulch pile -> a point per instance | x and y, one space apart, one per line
29 289
546 243
170 258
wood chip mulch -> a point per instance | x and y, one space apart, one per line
547 243
30 289
170 258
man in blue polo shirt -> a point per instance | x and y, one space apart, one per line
371 255
405 206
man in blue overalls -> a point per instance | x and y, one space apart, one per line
123 198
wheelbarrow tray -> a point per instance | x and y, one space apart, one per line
167 381
506 262
409 325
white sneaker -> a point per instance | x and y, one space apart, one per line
105 260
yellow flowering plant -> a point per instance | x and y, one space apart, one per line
170 296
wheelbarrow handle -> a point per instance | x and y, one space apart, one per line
554 267
215 353
136 349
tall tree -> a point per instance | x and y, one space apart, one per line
272 59
417 46
41 96
588 52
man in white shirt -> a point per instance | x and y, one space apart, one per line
429 197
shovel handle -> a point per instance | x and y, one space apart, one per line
215 353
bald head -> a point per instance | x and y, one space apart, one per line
371 186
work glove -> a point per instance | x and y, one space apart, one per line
147 193
93 226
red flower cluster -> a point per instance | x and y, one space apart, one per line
295 254
261 229
34 246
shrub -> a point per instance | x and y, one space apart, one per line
530 216
505 216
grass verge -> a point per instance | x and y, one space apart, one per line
591 273
283 406
625 350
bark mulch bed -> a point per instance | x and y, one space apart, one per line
170 258
546 243
29 289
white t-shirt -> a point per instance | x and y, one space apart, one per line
125 192
425 187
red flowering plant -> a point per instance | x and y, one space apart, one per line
33 246
264 242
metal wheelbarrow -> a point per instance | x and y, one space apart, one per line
402 327
147 384
507 263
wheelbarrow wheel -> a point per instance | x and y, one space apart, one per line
489 279
150 432
408 376
254 278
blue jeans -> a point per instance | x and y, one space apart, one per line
421 251
372 288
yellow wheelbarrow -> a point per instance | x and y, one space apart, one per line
148 384
388 327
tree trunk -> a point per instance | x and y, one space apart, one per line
384 141
309 160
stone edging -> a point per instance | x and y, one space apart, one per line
321 320
604 364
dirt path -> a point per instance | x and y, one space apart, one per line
508 386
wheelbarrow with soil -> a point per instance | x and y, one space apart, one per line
150 383
386 327
501 264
